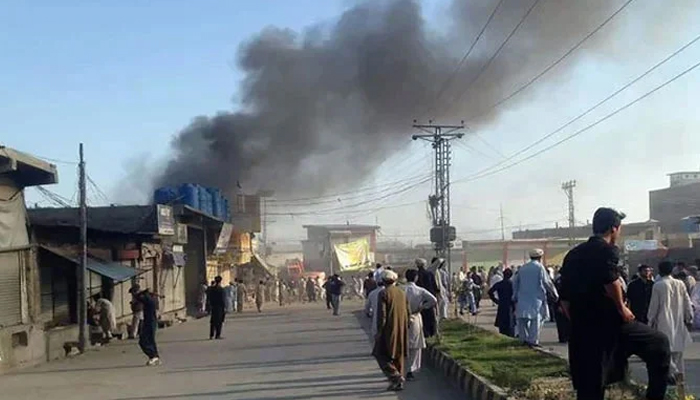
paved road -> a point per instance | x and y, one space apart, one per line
282 354
549 340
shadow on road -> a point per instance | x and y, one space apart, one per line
272 364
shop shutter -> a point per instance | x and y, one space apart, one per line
10 290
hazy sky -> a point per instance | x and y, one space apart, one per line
125 78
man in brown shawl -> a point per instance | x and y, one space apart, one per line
391 342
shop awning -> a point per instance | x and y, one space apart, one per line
260 262
112 270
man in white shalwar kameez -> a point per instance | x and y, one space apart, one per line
442 278
419 299
108 319
670 312
371 304
530 288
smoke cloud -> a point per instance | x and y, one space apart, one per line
323 108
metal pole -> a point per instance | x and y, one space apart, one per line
330 252
82 298
503 229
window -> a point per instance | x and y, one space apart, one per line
240 204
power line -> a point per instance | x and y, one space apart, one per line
496 54
57 161
555 63
459 66
332 198
53 197
358 195
355 205
488 144
97 189
473 149
580 131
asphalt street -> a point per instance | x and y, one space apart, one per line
296 353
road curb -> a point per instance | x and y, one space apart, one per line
473 385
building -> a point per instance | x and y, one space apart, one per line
490 253
684 178
206 243
126 245
670 206
649 230
22 340
319 246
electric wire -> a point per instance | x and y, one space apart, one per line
484 172
490 61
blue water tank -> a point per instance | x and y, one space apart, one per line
165 195
189 195
205 200
216 202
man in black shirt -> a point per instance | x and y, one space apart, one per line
217 304
334 288
604 332
147 337
639 293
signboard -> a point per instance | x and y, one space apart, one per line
353 256
224 239
180 233
166 220
179 256
641 245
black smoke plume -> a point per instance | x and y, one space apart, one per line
323 108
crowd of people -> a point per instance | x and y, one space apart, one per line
603 314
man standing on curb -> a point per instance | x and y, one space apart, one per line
530 288
603 330
419 299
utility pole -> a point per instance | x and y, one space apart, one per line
442 234
568 188
503 228
82 300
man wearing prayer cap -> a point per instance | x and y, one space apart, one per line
530 288
391 340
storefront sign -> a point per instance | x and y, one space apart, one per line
166 220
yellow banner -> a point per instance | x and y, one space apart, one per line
353 256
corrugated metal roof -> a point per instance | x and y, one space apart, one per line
112 270
117 272
119 219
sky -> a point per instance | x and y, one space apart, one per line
124 77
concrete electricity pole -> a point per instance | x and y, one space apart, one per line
82 298
503 228
568 188
442 234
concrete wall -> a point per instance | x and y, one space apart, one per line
56 338
21 346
